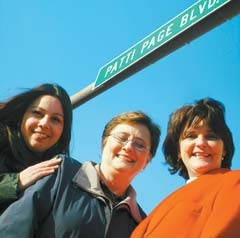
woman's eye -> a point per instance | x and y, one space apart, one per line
190 136
36 112
122 138
212 137
139 145
56 119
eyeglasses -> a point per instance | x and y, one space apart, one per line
123 138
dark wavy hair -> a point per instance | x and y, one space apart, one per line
13 150
208 109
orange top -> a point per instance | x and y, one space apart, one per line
208 207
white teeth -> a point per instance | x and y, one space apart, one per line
126 159
41 135
203 155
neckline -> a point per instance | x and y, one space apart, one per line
114 199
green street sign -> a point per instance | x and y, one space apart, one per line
159 37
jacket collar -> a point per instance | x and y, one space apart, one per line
87 178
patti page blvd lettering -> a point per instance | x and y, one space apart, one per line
159 37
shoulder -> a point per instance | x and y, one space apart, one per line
66 171
68 161
229 180
68 168
232 175
221 176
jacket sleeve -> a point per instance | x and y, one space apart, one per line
24 216
8 187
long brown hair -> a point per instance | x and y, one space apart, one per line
12 145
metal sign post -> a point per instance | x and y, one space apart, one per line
196 20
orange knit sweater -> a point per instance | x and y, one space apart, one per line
208 207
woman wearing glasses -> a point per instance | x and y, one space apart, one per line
96 200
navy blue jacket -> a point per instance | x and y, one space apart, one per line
70 204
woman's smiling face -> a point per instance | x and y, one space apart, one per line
42 123
201 150
127 148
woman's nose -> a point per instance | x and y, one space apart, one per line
201 140
129 144
44 122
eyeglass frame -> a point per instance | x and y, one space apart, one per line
123 141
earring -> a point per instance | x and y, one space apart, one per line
222 158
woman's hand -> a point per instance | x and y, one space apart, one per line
33 173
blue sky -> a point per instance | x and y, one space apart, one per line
68 41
